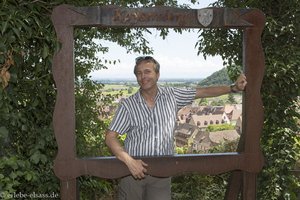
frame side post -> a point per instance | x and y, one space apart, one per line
254 62
64 112
63 73
234 185
249 186
68 190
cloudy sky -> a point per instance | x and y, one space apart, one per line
176 54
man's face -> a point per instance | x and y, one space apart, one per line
146 76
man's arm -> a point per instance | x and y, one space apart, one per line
214 91
136 167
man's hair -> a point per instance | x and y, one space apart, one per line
150 59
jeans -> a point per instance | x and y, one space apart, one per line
149 188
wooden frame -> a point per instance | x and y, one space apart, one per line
245 164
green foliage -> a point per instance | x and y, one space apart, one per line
217 102
219 127
14 173
195 186
27 141
130 90
181 150
90 130
280 89
227 146
217 78
231 99
203 102
96 188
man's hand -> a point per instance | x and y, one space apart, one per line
137 168
240 83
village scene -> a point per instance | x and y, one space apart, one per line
193 121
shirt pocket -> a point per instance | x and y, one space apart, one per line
140 125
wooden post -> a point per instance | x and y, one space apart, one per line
68 190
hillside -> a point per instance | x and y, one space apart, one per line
217 78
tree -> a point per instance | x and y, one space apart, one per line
217 78
231 99
130 90
280 89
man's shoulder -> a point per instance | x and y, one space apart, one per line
166 89
171 90
132 98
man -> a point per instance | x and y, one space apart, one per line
148 117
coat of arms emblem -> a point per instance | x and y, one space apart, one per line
205 16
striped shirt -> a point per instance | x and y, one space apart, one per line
150 130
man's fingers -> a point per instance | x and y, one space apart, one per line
144 164
241 82
139 169
139 176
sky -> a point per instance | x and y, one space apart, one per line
176 54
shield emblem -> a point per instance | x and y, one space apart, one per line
205 16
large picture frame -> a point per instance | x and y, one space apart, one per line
244 164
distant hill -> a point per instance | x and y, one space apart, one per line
217 78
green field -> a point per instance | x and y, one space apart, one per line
125 90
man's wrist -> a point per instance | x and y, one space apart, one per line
233 88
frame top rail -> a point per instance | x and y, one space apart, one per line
158 16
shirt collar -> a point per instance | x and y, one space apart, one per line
139 98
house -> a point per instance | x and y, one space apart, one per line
191 130
201 142
204 141
210 110
233 112
184 134
236 114
203 121
219 137
185 113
